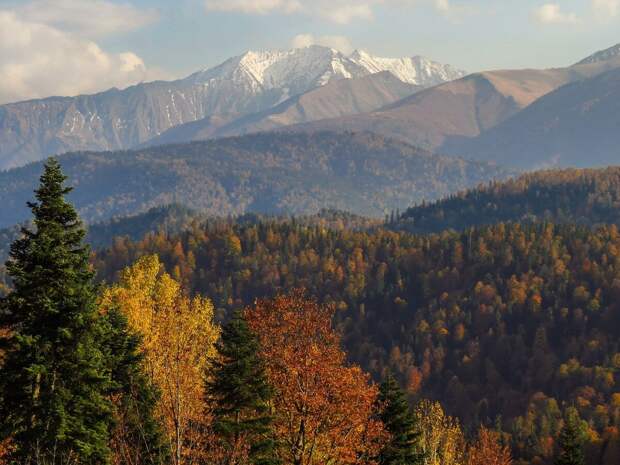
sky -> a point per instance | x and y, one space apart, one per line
67 47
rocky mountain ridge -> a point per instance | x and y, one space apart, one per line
250 83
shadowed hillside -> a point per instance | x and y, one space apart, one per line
273 174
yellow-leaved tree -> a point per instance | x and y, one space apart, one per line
178 337
442 438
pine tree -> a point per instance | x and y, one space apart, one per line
137 436
571 444
53 384
403 447
238 386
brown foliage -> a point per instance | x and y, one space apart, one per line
324 408
5 449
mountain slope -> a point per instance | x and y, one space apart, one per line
440 118
610 53
417 70
583 196
576 125
338 98
120 119
266 173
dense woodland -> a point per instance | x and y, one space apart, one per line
266 173
142 372
513 328
510 323
572 196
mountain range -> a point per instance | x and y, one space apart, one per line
576 125
251 83
522 119
502 121
267 173
460 117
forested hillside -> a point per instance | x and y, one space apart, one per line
580 196
265 173
507 325
141 371
514 327
174 219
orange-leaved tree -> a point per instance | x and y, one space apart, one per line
488 450
324 408
178 337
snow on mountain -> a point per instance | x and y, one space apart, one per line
243 85
302 69
293 71
602 55
415 70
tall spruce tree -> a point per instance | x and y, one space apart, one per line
137 437
403 447
238 387
571 443
54 383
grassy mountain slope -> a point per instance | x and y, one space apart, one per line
442 117
576 125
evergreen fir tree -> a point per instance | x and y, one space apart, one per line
53 383
239 388
138 436
571 444
403 447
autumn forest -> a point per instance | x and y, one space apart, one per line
325 340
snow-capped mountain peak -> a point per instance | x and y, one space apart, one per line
413 70
298 70
301 69
248 84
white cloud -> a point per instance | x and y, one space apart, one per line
454 12
89 18
338 11
339 43
606 9
345 12
39 60
254 6
551 13
443 6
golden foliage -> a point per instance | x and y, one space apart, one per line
178 338
442 438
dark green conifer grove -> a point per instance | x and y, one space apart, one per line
137 435
571 444
241 393
54 382
403 447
